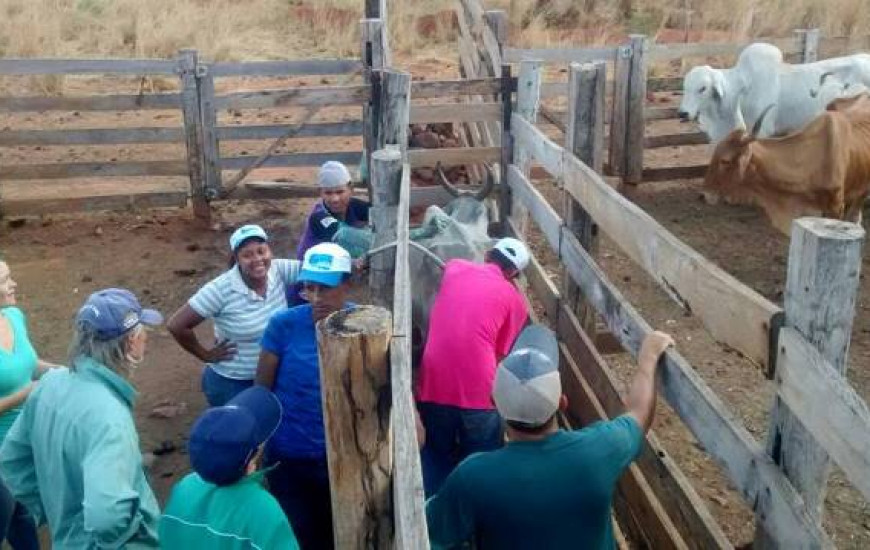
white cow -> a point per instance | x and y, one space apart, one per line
761 78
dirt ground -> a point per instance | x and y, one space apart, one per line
164 256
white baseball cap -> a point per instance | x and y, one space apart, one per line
246 232
333 174
325 264
527 385
515 251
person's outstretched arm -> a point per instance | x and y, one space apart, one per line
642 394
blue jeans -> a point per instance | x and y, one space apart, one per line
16 525
301 487
219 389
451 435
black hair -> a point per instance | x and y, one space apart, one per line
498 257
233 260
529 428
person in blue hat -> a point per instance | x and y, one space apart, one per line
240 302
223 503
72 457
290 367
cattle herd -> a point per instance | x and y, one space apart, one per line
808 152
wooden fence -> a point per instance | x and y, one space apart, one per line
783 481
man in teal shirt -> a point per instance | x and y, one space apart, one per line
547 488
223 503
72 457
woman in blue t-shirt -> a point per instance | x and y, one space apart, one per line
289 366
19 366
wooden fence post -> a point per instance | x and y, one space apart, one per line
507 149
619 110
354 377
375 53
376 9
584 137
386 171
821 289
187 62
528 102
635 126
210 143
808 43
395 111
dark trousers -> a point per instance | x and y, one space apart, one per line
16 525
451 435
219 389
301 487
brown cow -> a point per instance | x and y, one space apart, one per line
822 170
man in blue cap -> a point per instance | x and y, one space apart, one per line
223 503
72 457
547 488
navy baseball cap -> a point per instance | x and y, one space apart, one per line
224 439
112 312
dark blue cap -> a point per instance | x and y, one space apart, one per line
114 311
224 439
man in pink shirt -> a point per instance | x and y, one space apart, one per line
475 318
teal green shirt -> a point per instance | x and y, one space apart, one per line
73 460
241 516
16 365
555 493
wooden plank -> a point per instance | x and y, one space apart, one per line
821 292
450 156
253 190
350 158
127 201
456 112
674 173
529 139
661 113
93 170
386 186
91 136
675 140
285 68
294 97
274 131
636 99
824 402
528 102
427 89
395 108
546 217
619 110
211 155
668 52
193 133
87 66
560 55
733 313
668 84
92 103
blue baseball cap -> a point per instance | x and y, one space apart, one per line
245 232
112 312
325 264
224 439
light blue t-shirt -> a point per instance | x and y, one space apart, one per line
16 365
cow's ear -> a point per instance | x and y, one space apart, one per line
718 87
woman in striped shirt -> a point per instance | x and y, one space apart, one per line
240 302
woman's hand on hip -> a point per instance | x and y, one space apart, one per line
222 351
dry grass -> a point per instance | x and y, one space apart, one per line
275 29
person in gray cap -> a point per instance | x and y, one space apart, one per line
547 488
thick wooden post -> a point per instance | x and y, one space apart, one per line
635 127
187 62
619 110
528 102
375 55
808 42
386 173
355 390
821 289
395 107
507 149
210 143
376 9
584 137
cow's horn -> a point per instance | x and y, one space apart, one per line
815 93
757 126
442 178
487 187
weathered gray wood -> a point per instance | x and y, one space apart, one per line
285 68
211 155
354 377
395 110
376 9
528 101
272 131
373 46
675 140
426 89
619 109
504 199
455 112
294 97
534 146
93 170
636 99
452 156
87 66
376 51
728 442
546 217
674 173
91 136
820 294
92 103
253 190
127 201
665 84
826 405
350 158
409 511
187 63
560 55
386 186
807 44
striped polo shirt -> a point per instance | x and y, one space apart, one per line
240 315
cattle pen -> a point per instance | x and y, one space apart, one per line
802 347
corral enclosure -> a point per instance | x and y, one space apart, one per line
268 107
